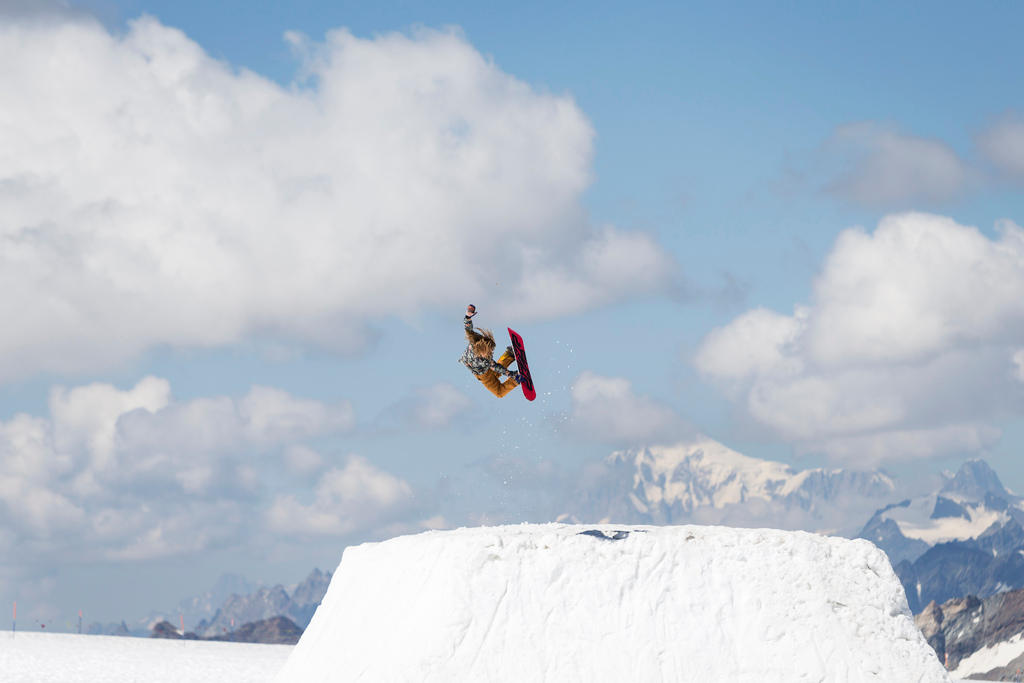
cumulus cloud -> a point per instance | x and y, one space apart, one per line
607 409
909 347
151 194
189 439
918 286
275 416
303 459
85 418
753 343
438 405
875 447
432 407
1003 145
135 474
884 167
345 499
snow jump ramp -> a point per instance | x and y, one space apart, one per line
615 603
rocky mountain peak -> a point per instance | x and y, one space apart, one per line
312 589
268 602
974 480
961 626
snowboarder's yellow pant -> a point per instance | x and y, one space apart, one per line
492 381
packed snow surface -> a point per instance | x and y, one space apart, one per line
610 603
65 657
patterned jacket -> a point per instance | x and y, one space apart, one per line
475 363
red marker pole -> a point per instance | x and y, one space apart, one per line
182 617
79 622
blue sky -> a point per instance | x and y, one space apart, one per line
190 205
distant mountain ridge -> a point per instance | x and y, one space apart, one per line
110 629
983 566
967 504
268 602
966 538
199 607
277 630
706 482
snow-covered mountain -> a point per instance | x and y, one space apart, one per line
965 539
707 482
969 502
906 530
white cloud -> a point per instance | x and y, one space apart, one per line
885 167
428 408
150 194
756 342
87 416
919 285
867 448
303 460
26 444
115 474
435 523
607 409
264 418
274 416
348 499
177 531
1003 145
903 352
438 405
36 511
571 278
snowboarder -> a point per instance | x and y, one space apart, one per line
479 358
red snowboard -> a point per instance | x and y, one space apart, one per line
522 366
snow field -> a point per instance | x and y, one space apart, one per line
988 658
63 657
916 521
550 603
